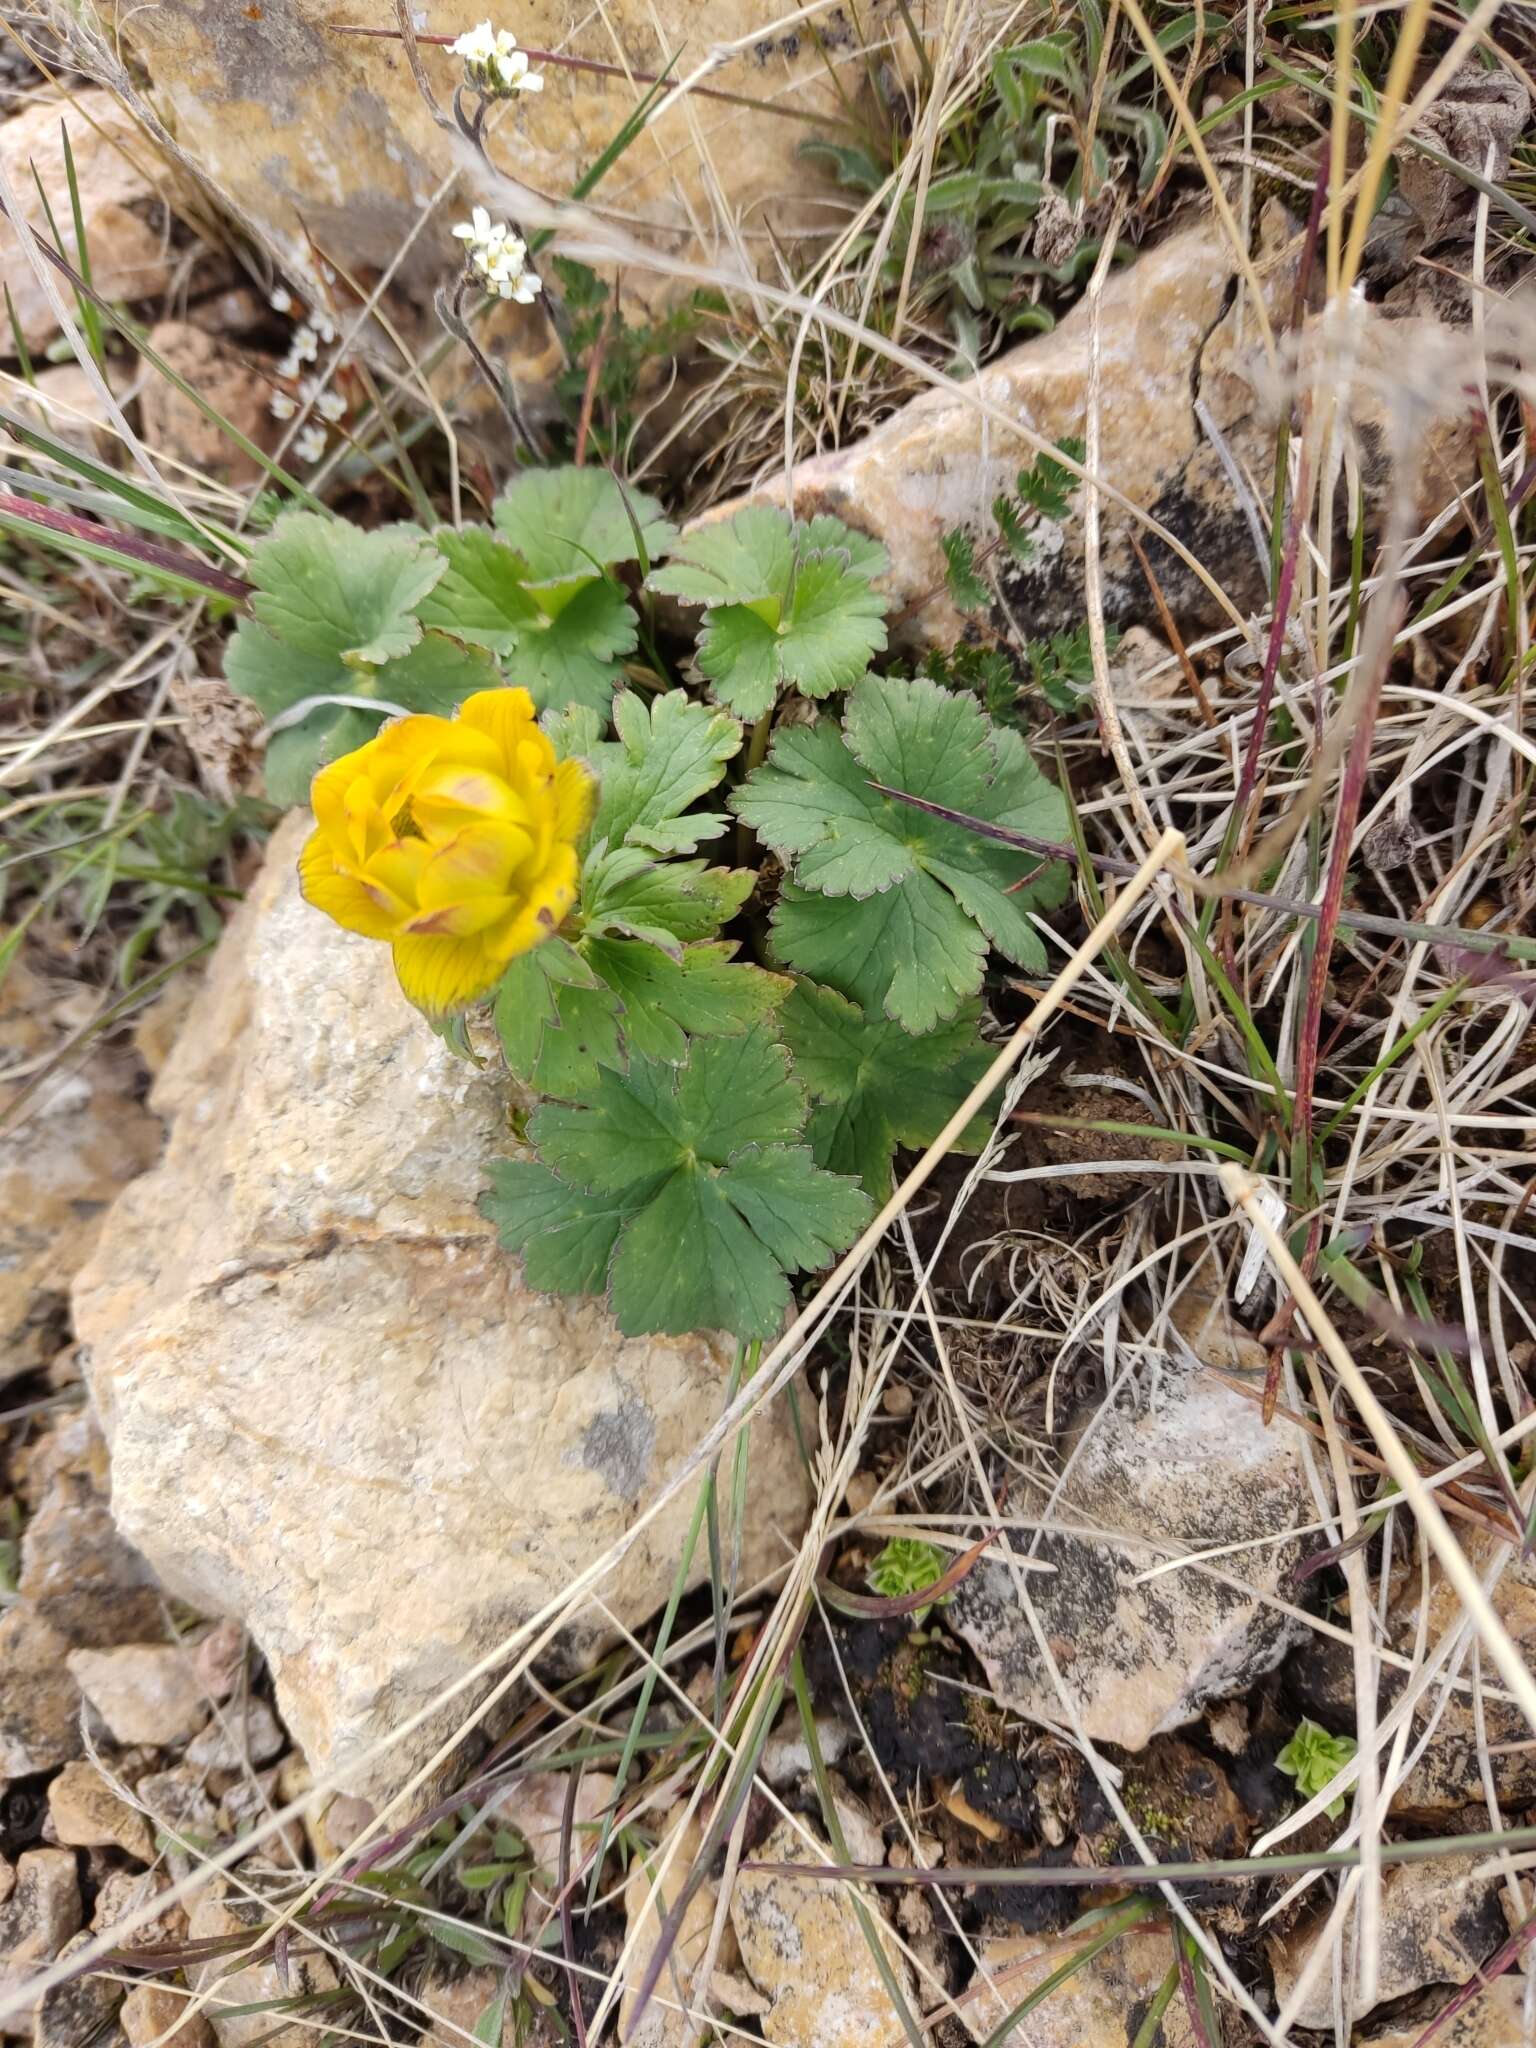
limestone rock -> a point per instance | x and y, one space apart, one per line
85 1135
535 1807
7 1879
802 1946
1102 2005
117 174
180 1804
1195 1469
149 2012
257 1983
1495 2018
238 1737
334 1410
1439 1921
145 1692
172 426
39 1917
1166 340
87 1814
322 142
124 1893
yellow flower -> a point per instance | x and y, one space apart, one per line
455 839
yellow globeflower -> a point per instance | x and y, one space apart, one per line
453 838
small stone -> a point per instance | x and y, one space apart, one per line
1439 1922
39 1701
257 1984
653 1884
535 1807
88 1814
124 1893
145 1692
41 1914
152 2010
1195 1467
859 1493
455 2006
1101 2005
246 1808
7 1879
803 1947
786 1755
897 1400
125 224
219 1658
75 2011
332 1821
181 1806
172 425
234 1739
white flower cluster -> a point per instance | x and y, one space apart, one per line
493 63
322 401
498 258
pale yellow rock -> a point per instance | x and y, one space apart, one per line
145 1692
535 1807
1101 2005
1495 2018
153 2013
87 1814
118 174
801 1944
335 1412
1439 1920
1165 337
321 142
654 1883
257 1983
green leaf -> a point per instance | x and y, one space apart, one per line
830 626
326 589
565 650
967 591
565 1011
716 1201
875 1085
436 675
667 755
566 1238
567 524
887 903
1314 1758
785 604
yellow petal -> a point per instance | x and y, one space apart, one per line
545 908
351 902
504 716
441 975
397 867
452 793
575 799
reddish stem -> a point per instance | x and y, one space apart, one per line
145 551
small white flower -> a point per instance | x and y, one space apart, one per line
281 300
493 63
309 445
306 343
281 406
476 229
325 327
330 405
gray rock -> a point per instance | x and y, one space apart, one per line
1439 1922
72 2013
1196 1469
335 1412
802 1946
39 1917
145 1692
239 1736
1495 2018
